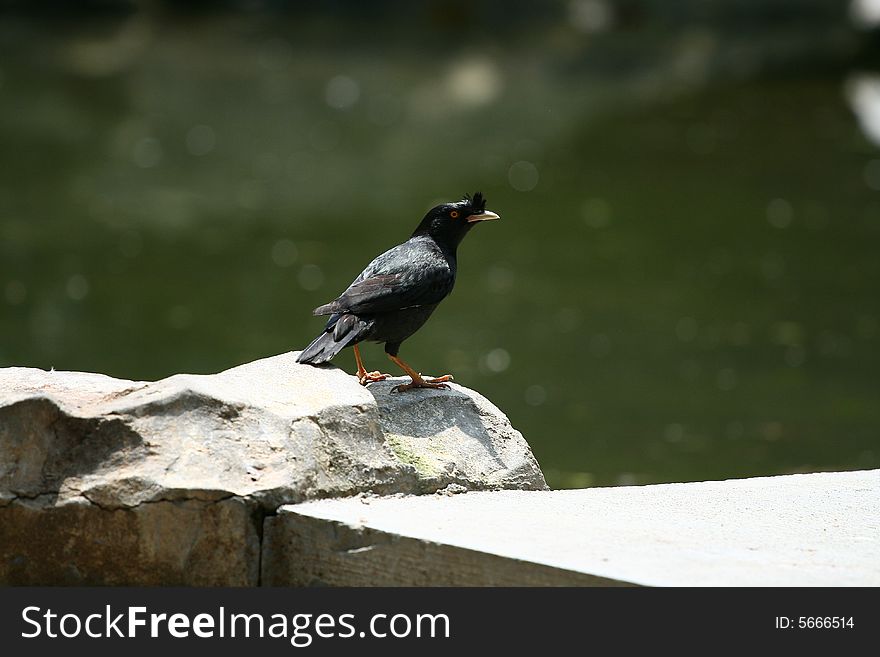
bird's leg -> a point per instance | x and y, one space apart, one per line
417 380
363 376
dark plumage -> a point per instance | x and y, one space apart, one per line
398 291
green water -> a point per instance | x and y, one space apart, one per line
683 285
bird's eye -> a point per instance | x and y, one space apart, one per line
454 214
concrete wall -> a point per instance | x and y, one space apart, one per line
799 530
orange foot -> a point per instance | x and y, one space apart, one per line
418 382
365 378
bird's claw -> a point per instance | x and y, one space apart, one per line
366 378
437 383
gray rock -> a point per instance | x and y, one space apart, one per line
168 482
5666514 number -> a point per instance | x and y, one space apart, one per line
824 622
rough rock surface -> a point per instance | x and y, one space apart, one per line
122 482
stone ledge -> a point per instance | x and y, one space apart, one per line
798 530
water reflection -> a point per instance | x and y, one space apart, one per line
863 93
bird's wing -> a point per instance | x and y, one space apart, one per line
387 292
400 278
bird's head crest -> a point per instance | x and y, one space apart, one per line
475 204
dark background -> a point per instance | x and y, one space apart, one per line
684 284
514 619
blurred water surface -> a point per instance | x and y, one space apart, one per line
684 284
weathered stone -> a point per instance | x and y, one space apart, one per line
111 467
187 542
454 439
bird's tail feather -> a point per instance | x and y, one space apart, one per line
340 332
321 349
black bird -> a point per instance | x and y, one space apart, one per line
398 291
